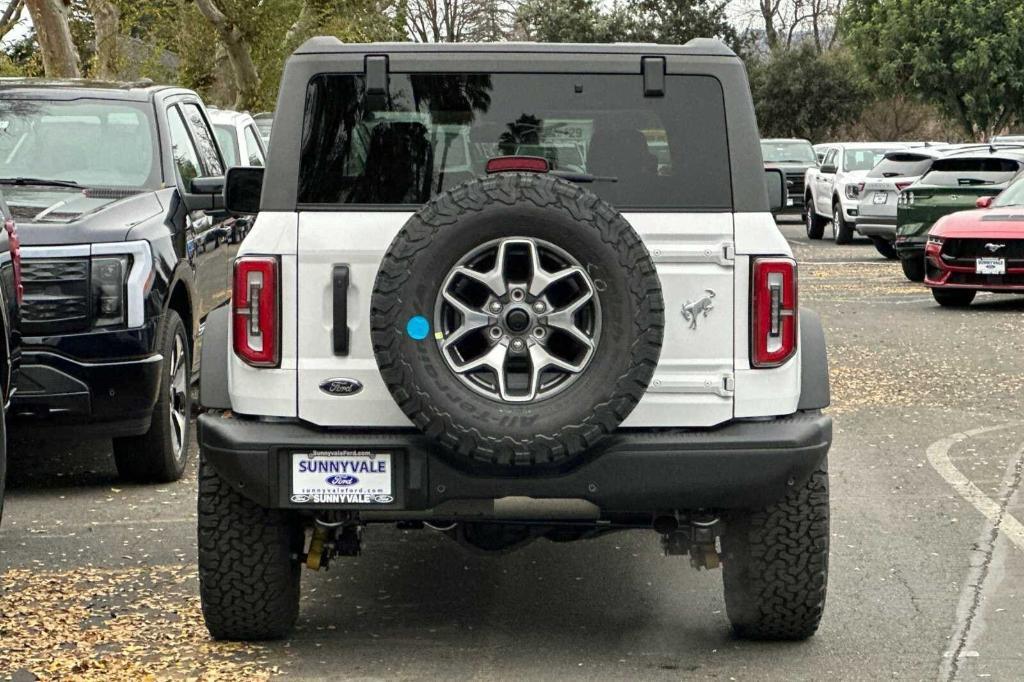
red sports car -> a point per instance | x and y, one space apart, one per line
980 250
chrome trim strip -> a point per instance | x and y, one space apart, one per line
74 250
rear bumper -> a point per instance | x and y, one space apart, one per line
908 248
743 465
877 226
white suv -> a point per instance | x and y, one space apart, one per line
434 328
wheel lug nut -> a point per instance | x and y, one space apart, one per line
517 344
495 332
495 307
539 332
518 295
538 307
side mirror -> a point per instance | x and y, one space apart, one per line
829 169
243 189
775 184
984 202
205 194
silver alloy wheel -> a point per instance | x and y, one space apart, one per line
177 404
517 319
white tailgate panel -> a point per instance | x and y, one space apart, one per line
692 386
358 240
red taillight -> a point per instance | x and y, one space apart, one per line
15 247
256 311
900 186
773 311
518 164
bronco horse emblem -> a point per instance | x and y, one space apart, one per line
702 306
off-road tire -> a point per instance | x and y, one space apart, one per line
913 268
249 573
814 224
775 564
885 248
954 298
842 231
478 430
151 457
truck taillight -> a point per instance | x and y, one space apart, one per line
15 247
256 311
773 311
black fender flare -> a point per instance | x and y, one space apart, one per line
815 393
213 363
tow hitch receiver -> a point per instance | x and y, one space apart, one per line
698 537
326 541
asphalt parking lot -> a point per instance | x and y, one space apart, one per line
926 580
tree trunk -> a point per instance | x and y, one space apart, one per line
107 19
50 18
247 78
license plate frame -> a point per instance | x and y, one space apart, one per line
990 266
350 477
880 197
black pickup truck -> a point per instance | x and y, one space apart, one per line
124 252
10 337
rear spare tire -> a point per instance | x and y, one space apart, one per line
517 319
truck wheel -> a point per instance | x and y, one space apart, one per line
813 223
842 231
160 454
954 298
517 320
775 563
248 567
913 268
885 247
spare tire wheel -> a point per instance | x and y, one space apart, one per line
517 319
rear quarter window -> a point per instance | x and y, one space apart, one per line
438 130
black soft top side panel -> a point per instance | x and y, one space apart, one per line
280 185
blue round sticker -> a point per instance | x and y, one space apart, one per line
417 327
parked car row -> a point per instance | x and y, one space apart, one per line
914 201
121 249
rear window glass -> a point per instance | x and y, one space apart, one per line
862 159
967 172
901 165
437 131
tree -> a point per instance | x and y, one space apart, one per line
965 58
50 18
799 93
106 18
11 16
564 21
674 22
236 44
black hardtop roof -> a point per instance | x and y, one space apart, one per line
139 91
707 47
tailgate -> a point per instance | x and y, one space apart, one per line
692 385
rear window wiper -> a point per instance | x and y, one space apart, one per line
573 176
43 182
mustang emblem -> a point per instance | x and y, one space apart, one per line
702 306
993 247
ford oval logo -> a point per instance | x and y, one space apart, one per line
341 387
342 480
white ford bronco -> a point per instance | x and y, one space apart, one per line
509 292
